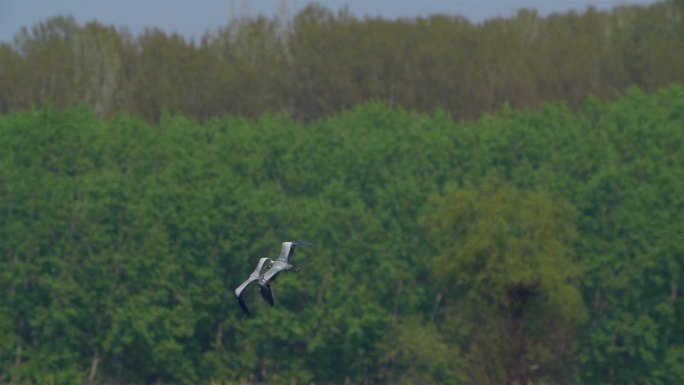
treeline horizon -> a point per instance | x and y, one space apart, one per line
541 246
319 63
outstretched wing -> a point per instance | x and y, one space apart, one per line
266 293
287 250
256 275
241 289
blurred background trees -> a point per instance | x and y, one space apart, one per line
320 63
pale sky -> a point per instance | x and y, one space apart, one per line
192 18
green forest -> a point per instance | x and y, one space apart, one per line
479 215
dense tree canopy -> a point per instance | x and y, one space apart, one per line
121 243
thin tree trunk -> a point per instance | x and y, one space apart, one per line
521 367
322 288
435 308
675 289
219 335
17 357
93 369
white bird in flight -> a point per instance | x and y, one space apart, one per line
266 272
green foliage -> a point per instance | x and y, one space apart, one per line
121 243
415 352
632 259
505 261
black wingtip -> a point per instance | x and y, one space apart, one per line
243 306
267 294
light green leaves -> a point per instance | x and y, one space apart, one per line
505 261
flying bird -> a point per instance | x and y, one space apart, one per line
283 262
267 270
256 276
